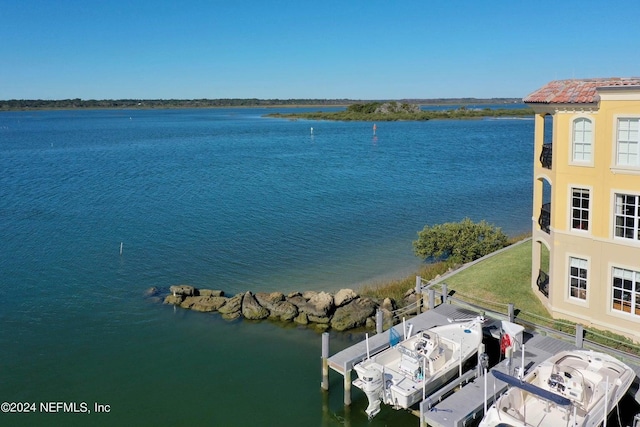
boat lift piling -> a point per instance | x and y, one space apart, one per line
325 361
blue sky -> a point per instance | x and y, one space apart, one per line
112 49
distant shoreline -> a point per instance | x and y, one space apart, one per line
151 104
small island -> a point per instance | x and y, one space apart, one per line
397 111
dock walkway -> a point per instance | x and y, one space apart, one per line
466 405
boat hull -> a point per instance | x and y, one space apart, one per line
577 388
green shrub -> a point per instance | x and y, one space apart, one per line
459 242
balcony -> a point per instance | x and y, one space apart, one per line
544 221
543 283
545 156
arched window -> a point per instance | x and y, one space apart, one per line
582 140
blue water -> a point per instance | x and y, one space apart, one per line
224 199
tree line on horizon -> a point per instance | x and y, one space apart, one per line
77 103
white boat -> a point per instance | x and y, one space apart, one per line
401 375
572 388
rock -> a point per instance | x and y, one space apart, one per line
370 323
319 319
284 310
233 305
277 306
387 318
344 296
309 294
188 302
208 303
297 300
293 294
232 316
173 299
151 292
185 290
320 305
389 304
251 309
269 300
353 314
210 293
301 319
409 297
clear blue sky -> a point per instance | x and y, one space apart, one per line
373 49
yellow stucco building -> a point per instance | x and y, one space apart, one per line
586 202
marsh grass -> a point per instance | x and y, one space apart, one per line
396 289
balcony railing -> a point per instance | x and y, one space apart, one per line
543 283
544 221
545 156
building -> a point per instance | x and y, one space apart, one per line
586 202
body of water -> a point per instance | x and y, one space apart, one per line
223 199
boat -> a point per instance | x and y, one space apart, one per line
575 388
408 370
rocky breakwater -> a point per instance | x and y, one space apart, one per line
344 310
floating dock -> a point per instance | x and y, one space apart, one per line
465 406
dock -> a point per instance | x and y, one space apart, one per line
462 402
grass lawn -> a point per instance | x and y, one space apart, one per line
503 278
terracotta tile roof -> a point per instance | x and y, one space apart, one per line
576 91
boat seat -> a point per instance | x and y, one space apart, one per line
431 345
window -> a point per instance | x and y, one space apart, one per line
578 278
626 291
628 142
580 209
627 216
582 139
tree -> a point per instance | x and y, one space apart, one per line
459 242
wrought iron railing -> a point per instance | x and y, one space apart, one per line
543 283
545 218
545 156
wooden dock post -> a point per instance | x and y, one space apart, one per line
445 293
347 387
579 335
512 315
325 360
432 299
379 320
